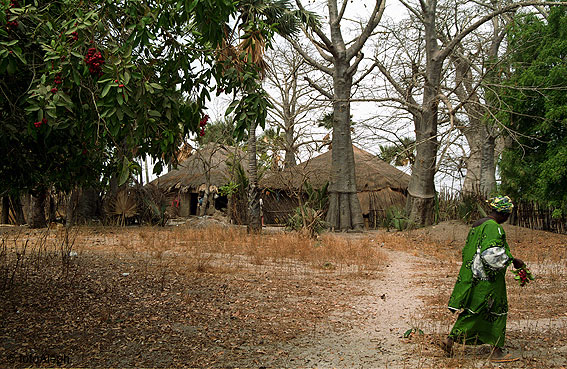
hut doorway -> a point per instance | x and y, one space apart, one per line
193 203
221 202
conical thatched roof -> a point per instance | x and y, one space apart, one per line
372 174
190 175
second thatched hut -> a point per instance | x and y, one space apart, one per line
380 186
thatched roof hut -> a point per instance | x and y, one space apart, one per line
379 184
207 166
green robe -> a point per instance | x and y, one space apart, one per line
483 300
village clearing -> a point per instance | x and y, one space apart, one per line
204 294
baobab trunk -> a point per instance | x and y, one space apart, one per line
471 184
475 137
344 207
289 160
421 189
487 165
480 178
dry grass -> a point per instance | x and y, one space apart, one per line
229 248
166 297
211 249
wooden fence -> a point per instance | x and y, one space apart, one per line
534 216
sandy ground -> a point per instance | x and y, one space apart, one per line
219 320
381 317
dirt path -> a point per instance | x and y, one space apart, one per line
387 310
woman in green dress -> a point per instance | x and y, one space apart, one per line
480 290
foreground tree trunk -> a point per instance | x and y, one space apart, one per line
18 209
254 221
344 207
421 189
38 209
5 210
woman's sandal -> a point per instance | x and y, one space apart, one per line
508 358
446 347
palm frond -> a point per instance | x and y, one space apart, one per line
125 205
288 24
309 19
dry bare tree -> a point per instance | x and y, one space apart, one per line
340 59
294 100
476 65
423 96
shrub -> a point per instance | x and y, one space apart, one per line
308 219
396 218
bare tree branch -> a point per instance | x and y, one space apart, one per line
377 13
309 59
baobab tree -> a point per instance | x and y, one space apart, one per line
423 100
340 60
477 66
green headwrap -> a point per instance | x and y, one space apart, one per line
501 204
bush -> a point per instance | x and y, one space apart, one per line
396 218
470 208
308 219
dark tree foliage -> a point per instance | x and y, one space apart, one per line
89 86
535 166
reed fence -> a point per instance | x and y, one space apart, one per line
532 215
529 214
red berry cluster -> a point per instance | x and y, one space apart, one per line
54 90
523 275
39 123
11 25
202 124
74 36
95 61
58 79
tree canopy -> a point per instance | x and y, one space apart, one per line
89 86
534 167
